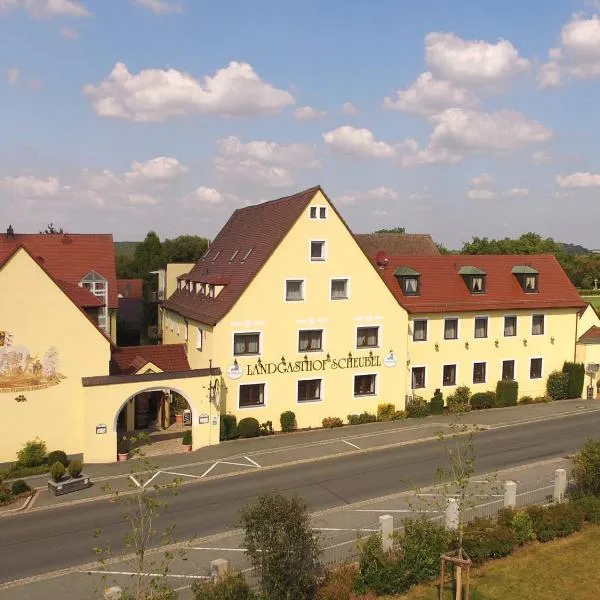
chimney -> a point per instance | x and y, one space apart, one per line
10 232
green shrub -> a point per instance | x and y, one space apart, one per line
76 467
331 422
186 440
33 454
248 428
124 445
576 373
557 520
460 400
228 427
557 386
266 428
288 421
364 417
57 471
386 412
590 506
483 400
436 406
232 586
57 455
507 392
338 583
399 415
522 527
422 544
16 471
19 487
483 540
586 469
417 408
542 399
526 400
5 494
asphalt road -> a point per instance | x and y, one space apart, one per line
39 542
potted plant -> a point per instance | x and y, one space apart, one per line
186 442
123 447
179 405
75 468
59 484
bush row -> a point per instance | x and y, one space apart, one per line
34 459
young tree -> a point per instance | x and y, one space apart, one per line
392 230
51 229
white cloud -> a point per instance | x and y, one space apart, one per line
159 169
349 109
473 62
379 213
160 7
415 156
358 142
481 194
482 179
27 186
142 200
428 96
578 180
204 195
307 113
253 171
541 157
381 193
517 193
12 75
290 155
40 9
158 95
68 33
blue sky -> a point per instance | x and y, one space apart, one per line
455 118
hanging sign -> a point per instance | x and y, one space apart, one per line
203 419
234 372
390 360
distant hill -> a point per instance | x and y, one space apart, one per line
125 248
574 249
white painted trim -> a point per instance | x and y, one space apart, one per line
254 406
455 375
504 325
487 328
538 315
486 372
324 255
321 329
413 321
318 208
285 282
375 395
199 339
311 402
250 331
411 376
458 327
516 378
348 288
369 325
529 375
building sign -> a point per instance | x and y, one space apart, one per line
203 419
313 366
391 360
234 371
101 429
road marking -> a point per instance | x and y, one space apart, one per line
135 480
225 462
252 461
181 474
342 529
395 510
220 549
209 470
130 573
151 478
350 444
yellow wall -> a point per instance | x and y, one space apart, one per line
174 270
112 319
38 315
588 319
555 346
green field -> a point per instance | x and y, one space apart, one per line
593 300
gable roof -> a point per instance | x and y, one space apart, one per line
80 296
69 257
237 254
591 336
443 289
130 288
401 244
130 359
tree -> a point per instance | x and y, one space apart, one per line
148 255
52 230
282 547
184 249
392 230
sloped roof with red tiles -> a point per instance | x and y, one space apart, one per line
170 358
69 257
443 289
591 336
80 296
130 288
399 244
237 254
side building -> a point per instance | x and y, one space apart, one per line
290 307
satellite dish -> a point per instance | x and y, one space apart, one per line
382 258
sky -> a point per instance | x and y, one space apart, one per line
458 119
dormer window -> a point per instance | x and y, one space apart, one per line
474 278
528 278
409 280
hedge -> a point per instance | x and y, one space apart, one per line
287 419
557 386
483 400
417 408
576 372
507 392
248 428
228 427
436 406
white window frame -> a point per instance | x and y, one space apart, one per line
487 327
361 396
543 315
298 351
323 255
249 332
255 406
412 367
310 402
542 375
502 366
302 280
199 339
516 325
449 318
455 365
331 280
487 375
426 330
317 208
379 337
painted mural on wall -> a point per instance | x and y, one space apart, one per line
22 371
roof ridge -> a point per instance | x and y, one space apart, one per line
275 200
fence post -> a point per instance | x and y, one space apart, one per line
218 568
452 516
560 484
510 494
386 527
112 593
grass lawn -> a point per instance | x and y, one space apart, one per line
567 569
593 300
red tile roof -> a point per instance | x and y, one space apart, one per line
591 336
400 244
80 296
130 288
444 290
69 257
238 253
130 359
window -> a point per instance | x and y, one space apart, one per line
478 284
199 339
420 330
318 212
410 286
418 378
479 372
252 395
449 375
246 343
317 251
322 212
310 340
367 337
294 290
510 326
537 325
309 390
339 289
185 331
508 369
451 329
98 285
535 368
481 327
365 385
530 283
313 212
